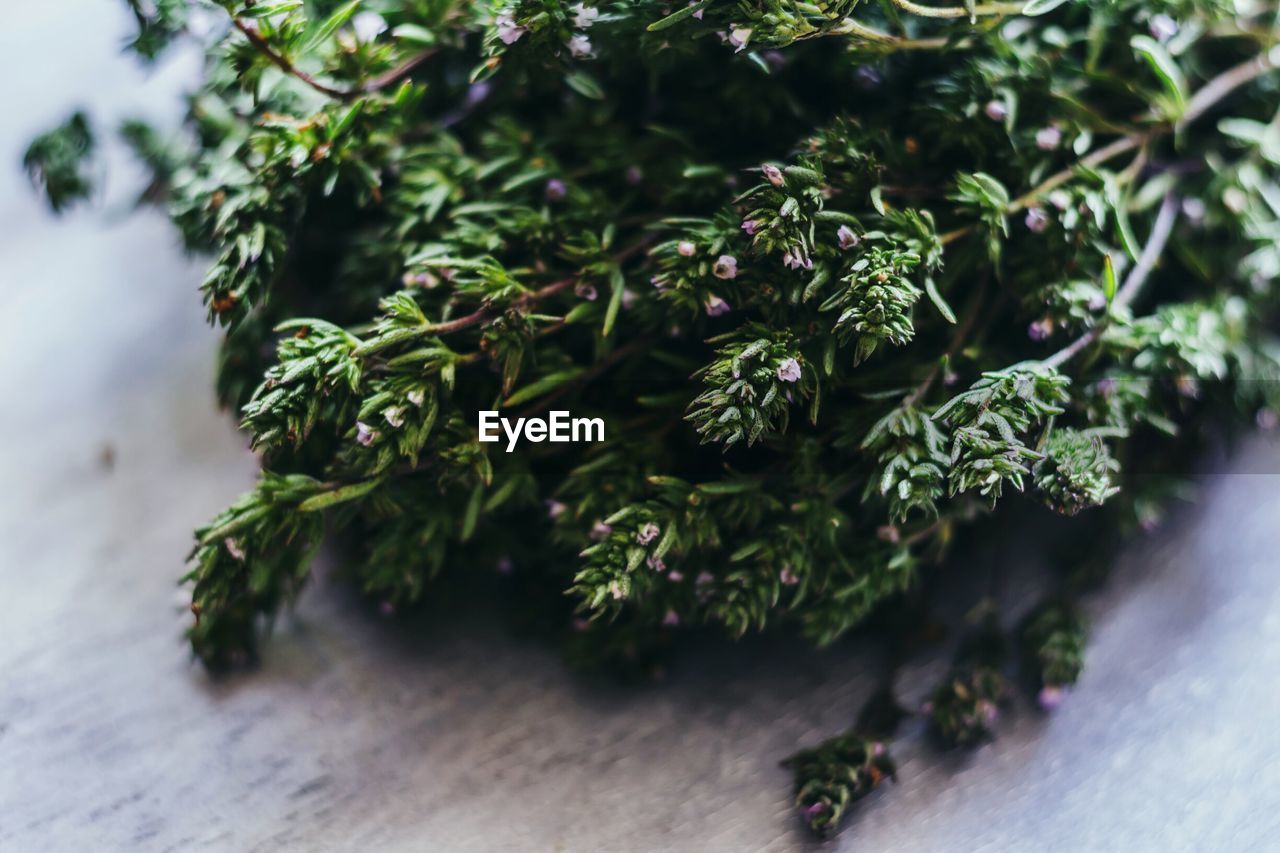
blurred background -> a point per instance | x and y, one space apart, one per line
449 733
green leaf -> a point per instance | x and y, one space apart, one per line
584 84
994 192
331 25
1108 278
876 199
473 512
340 495
1041 7
268 10
541 386
414 34
1119 205
678 16
616 282
938 302
1163 65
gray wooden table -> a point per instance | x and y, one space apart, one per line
358 733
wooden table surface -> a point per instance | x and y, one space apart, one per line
360 733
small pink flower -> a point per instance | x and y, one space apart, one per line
394 415
814 810
750 226
368 26
1040 330
585 291
599 530
508 32
739 37
716 306
1061 199
555 509
656 563
647 533
996 110
1048 138
556 189
671 618
425 280
233 548
584 16
1037 220
788 577
478 92
1162 28
615 590
772 174
365 435
685 249
580 46
847 238
634 175
417 396
703 578
698 14
1050 697
628 299
788 370
675 576
726 267
795 259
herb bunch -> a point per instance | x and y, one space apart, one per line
843 280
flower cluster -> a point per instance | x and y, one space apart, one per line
751 387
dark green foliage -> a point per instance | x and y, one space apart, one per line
58 161
1076 471
836 774
314 370
912 448
159 23
841 279
250 559
965 708
752 386
1053 640
990 423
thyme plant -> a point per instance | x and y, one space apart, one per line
843 279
